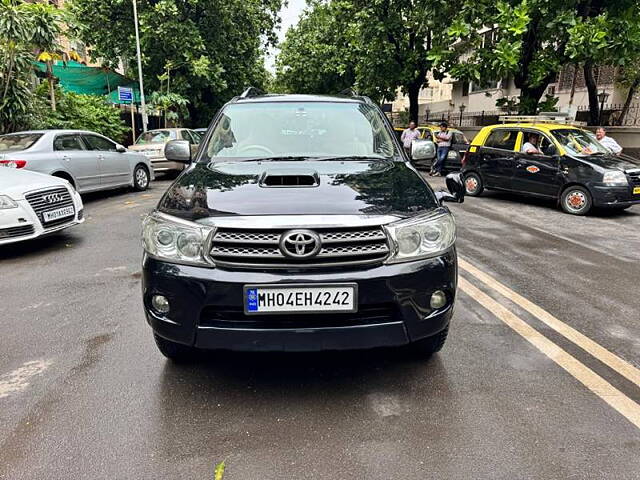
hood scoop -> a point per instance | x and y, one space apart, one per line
289 177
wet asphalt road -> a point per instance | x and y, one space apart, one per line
85 395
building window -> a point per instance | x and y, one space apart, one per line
486 85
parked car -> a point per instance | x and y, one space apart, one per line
459 145
151 145
200 131
33 204
299 226
87 160
573 167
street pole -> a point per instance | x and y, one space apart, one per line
143 107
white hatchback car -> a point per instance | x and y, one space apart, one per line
33 204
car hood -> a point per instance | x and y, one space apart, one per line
622 162
15 183
342 188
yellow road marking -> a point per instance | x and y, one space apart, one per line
621 366
598 385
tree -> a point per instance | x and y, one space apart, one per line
172 105
315 56
216 46
24 29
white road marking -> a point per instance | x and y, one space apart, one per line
598 385
18 380
621 366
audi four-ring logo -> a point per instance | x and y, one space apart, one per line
52 198
300 243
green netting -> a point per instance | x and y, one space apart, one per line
78 78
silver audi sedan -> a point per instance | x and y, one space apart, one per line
87 160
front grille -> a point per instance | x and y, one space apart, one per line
634 175
243 248
234 317
39 205
20 231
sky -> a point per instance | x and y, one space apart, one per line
289 16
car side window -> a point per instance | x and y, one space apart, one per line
459 138
195 137
67 143
184 135
503 139
98 143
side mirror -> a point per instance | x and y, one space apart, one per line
120 148
178 151
423 149
455 185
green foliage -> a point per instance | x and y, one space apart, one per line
24 29
216 48
172 105
75 111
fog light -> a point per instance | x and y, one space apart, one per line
160 303
438 299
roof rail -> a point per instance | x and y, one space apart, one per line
251 92
348 92
546 117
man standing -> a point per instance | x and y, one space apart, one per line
605 141
443 138
408 136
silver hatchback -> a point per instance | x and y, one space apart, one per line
89 161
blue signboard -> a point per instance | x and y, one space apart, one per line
125 94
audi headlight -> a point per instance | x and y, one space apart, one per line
614 177
421 237
7 202
175 240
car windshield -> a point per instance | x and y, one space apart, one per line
18 141
156 136
579 142
291 130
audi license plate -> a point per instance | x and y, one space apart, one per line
636 190
58 213
300 299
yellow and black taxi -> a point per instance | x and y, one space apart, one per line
551 160
459 145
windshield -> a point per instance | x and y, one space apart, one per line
156 136
274 130
18 141
579 142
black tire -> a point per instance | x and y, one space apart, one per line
430 345
141 178
473 185
576 200
175 352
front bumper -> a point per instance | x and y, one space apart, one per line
207 307
608 196
22 223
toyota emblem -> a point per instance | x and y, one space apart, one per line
300 243
52 198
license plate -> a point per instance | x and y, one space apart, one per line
300 299
636 190
58 213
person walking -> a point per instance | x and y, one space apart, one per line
443 138
408 136
606 141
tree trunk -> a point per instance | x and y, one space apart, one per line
592 89
530 97
52 91
627 103
413 92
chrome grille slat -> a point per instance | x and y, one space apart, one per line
259 248
20 231
37 203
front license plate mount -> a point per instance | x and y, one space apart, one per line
294 298
59 213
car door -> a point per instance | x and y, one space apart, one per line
459 145
497 158
538 174
76 159
114 166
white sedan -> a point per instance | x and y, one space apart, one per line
33 204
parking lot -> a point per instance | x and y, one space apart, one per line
540 377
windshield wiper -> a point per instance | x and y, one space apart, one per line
348 157
284 158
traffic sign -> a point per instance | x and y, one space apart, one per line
125 94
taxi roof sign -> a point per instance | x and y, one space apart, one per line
545 117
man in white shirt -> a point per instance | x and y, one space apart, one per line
531 146
610 143
408 136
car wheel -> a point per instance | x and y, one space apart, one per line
174 351
430 345
140 178
473 184
576 200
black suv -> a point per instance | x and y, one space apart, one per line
300 225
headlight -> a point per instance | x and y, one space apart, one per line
422 236
614 177
7 202
175 240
